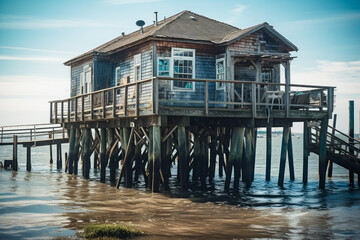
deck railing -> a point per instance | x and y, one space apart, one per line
148 97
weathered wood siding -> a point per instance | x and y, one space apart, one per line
205 59
247 45
76 70
102 73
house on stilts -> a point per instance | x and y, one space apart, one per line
188 89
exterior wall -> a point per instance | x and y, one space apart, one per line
247 44
76 70
102 73
205 59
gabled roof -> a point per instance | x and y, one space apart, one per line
185 25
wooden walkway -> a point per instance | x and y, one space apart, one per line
33 135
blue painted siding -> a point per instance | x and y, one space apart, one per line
75 78
102 74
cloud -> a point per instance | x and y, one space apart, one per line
37 59
236 13
19 22
354 16
37 50
124 2
239 9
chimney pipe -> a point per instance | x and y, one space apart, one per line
123 34
156 18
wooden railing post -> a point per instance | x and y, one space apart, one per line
330 102
155 96
76 109
62 111
137 99
82 107
92 106
103 103
69 110
206 98
126 100
51 112
55 109
114 102
287 99
253 99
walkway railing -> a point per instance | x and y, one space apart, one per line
150 96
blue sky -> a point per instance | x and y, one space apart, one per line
37 36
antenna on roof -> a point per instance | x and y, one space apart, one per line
140 23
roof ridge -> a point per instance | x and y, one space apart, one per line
167 22
245 29
213 19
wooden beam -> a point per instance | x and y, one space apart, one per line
28 159
351 138
72 140
238 158
15 154
103 158
86 143
305 152
183 160
291 158
330 163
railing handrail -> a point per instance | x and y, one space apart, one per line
191 80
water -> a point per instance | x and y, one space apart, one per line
47 203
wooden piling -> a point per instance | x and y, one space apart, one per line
86 142
351 138
113 153
71 151
291 158
212 159
196 158
58 156
268 154
204 161
183 157
155 158
103 158
322 152
28 159
238 158
77 149
284 148
305 152
128 148
246 163
330 167
253 154
51 155
233 150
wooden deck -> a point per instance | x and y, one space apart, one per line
242 99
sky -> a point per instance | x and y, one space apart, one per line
37 37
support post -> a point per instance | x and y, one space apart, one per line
86 141
247 164
287 88
51 155
305 152
15 155
291 158
28 159
71 151
284 148
77 148
330 168
268 153
204 161
155 158
183 160
238 157
113 153
128 148
103 159
58 155
322 152
351 138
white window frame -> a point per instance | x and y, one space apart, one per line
216 69
173 58
170 66
137 64
83 83
117 77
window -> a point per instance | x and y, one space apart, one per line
85 80
164 67
183 67
117 75
137 67
220 73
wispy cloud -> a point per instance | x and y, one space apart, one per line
124 2
37 59
236 13
19 22
37 50
354 16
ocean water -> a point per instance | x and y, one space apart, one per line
48 203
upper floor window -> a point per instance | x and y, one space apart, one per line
183 67
85 80
117 75
220 73
137 67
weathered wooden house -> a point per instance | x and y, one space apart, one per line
191 74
